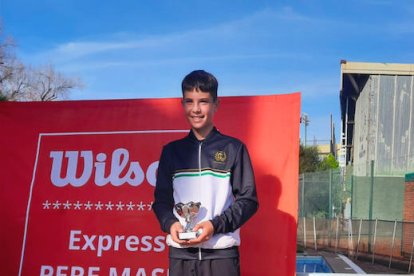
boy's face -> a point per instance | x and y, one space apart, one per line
199 109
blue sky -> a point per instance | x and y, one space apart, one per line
143 48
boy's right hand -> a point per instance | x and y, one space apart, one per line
176 228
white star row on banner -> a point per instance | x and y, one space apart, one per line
96 206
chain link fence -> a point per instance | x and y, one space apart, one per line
321 194
379 240
357 214
341 193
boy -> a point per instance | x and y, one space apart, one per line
210 168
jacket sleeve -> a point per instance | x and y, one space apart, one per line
163 195
244 191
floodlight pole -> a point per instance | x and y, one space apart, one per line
304 119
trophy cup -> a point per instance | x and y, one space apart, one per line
188 211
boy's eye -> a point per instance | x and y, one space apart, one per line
191 102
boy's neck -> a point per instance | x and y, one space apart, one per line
202 134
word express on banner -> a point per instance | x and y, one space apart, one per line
101 243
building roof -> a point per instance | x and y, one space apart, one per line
372 68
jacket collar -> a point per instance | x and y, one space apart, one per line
212 133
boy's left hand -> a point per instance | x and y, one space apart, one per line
208 231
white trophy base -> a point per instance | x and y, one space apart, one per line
189 235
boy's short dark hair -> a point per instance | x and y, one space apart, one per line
200 80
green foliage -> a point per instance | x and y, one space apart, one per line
308 159
329 162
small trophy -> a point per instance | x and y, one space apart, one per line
188 211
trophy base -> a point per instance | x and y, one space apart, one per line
189 235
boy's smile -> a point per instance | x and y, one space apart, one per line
199 109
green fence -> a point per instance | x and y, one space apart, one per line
348 194
321 194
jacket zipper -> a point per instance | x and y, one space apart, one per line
199 157
199 171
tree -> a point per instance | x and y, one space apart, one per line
19 82
45 84
308 159
329 162
6 60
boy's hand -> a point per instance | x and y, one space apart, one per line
176 228
208 231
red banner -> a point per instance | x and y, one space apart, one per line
78 180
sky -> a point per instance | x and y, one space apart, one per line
143 48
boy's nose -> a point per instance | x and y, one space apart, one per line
196 108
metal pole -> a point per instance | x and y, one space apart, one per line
314 234
411 257
332 147
329 227
306 135
375 239
305 120
330 193
392 243
330 208
350 238
359 238
352 193
371 202
347 150
337 234
302 205
304 233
